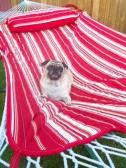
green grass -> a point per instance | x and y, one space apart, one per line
119 162
54 161
2 86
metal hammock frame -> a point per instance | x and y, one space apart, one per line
100 154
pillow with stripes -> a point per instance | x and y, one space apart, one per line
41 20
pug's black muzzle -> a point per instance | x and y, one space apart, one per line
54 73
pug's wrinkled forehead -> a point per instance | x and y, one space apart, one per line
58 63
54 62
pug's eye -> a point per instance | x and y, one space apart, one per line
61 69
49 68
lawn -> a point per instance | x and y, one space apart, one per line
2 88
55 161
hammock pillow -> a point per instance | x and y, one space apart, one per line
42 20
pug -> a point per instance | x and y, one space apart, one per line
56 81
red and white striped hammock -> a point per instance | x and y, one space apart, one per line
96 56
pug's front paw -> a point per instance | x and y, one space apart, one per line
44 95
67 100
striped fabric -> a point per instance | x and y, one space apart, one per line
96 55
35 21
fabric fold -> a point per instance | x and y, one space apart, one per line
15 160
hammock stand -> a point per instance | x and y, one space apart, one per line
95 148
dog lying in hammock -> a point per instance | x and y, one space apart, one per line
56 81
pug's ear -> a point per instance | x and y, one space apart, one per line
64 65
44 63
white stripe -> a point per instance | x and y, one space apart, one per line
65 135
115 107
99 112
50 45
16 112
121 49
111 29
11 91
93 59
99 49
104 37
55 46
87 128
39 53
84 108
62 132
69 125
105 93
41 146
36 55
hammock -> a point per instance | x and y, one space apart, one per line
95 55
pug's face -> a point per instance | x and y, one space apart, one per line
54 69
